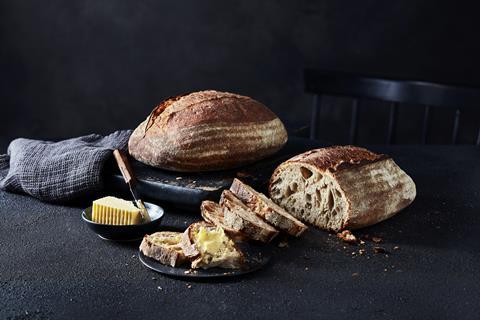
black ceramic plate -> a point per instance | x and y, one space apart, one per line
189 189
128 232
257 256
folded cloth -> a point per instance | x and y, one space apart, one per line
59 171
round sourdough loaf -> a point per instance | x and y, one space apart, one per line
206 131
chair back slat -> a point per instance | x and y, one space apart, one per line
392 122
354 122
316 105
426 120
456 123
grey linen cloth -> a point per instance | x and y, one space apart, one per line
59 171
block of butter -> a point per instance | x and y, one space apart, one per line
115 211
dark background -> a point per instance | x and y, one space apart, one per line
74 67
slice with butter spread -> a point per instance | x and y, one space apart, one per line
208 246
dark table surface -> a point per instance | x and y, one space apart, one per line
53 266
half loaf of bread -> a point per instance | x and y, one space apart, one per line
341 187
205 131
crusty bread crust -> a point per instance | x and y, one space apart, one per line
212 213
267 209
239 217
207 130
341 187
337 157
164 254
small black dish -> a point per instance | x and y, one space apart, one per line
127 232
256 256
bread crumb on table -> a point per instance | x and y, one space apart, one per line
378 250
283 244
347 236
377 239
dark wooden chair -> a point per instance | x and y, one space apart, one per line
396 92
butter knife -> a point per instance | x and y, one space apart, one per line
128 176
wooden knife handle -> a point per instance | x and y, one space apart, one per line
124 166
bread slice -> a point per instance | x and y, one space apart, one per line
164 247
208 246
239 217
267 209
212 213
341 187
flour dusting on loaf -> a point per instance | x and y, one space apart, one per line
205 131
341 187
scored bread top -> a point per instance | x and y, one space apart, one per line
205 131
337 157
210 106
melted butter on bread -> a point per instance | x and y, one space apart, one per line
215 247
211 241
